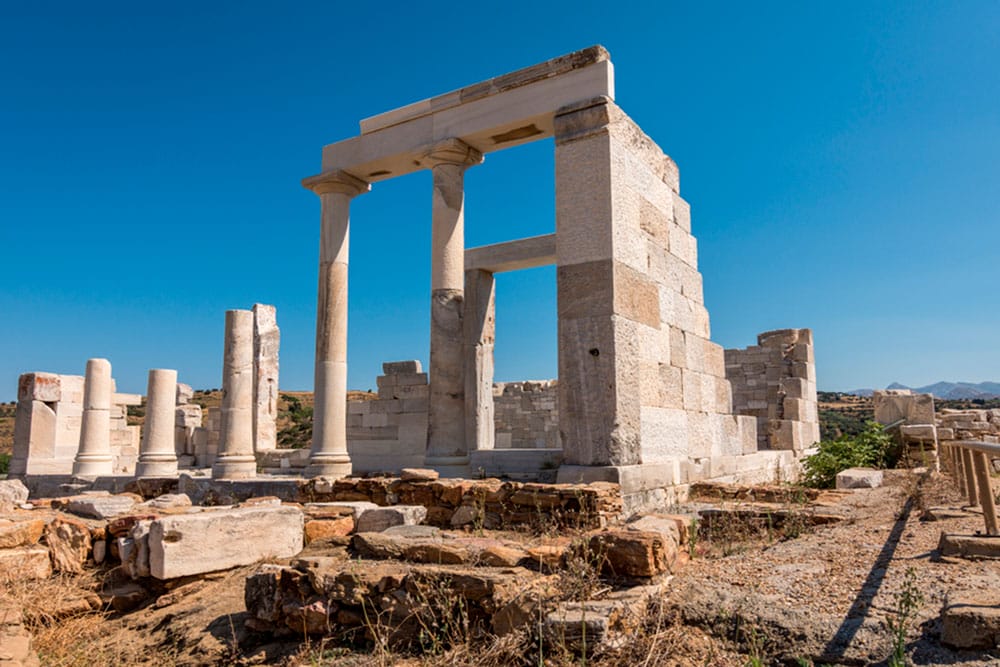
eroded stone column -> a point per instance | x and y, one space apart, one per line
328 456
447 448
93 458
236 458
480 333
157 454
266 341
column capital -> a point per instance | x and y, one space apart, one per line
452 151
336 181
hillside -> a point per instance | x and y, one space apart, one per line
946 390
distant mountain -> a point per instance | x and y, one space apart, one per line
946 390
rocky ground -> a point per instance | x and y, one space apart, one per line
780 577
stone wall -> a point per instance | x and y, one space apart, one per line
48 420
390 432
644 398
775 382
526 415
206 438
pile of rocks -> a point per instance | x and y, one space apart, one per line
395 584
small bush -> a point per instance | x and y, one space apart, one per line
4 464
872 448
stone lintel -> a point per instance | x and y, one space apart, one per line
499 84
509 116
526 253
336 181
126 399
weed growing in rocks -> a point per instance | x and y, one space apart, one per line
908 602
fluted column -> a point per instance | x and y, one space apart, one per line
447 449
236 458
93 458
157 456
329 456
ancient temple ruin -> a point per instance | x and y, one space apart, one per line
643 398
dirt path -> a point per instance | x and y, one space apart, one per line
829 594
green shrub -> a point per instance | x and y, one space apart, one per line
872 448
4 464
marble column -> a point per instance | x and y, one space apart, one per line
93 458
157 456
480 333
447 448
236 458
328 456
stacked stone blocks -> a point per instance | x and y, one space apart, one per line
641 381
390 433
775 382
526 415
48 421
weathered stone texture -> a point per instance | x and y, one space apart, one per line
640 380
196 543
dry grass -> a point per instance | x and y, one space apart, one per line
69 625
660 641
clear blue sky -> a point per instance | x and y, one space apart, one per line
841 160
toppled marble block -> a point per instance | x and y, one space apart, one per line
100 507
859 478
378 519
189 544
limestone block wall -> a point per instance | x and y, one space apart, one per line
775 382
640 380
526 415
206 438
124 438
390 433
47 426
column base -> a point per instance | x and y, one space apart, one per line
157 467
234 467
328 465
93 465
